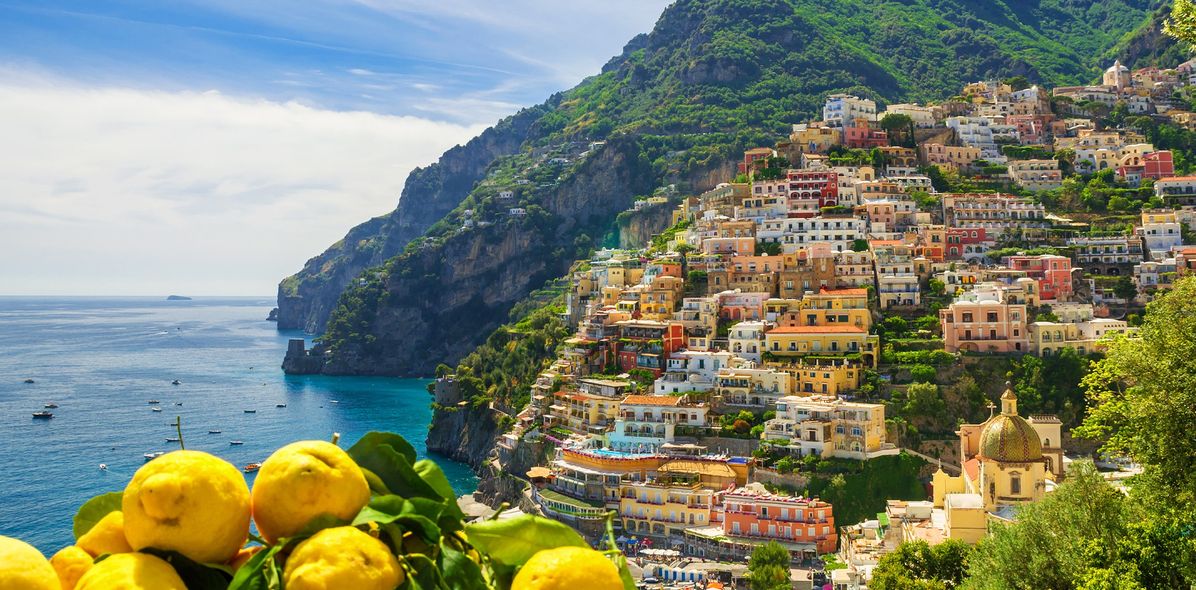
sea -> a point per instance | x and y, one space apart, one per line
107 362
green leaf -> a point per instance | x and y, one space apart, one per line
418 515
459 571
372 440
396 472
95 509
434 476
422 573
261 572
514 540
625 572
196 576
376 486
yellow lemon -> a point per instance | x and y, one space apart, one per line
23 567
107 536
302 481
71 563
131 571
342 557
190 502
568 568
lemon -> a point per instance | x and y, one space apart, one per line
342 558
23 567
71 563
131 571
568 568
190 502
107 536
302 481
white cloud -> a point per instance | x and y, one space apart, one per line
119 191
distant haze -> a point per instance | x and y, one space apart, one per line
212 148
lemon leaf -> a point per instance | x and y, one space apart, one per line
414 514
196 576
375 482
395 471
513 541
260 572
95 509
460 572
375 439
435 477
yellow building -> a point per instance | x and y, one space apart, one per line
663 507
658 301
827 426
756 388
799 341
1007 460
824 376
581 411
832 307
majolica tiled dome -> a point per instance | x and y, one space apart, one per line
1008 437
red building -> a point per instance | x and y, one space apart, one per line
822 185
861 136
753 155
1158 165
645 344
787 519
965 241
1052 272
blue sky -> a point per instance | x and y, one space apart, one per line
210 147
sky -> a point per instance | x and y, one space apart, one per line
212 147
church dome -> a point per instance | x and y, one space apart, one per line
1007 437
1116 68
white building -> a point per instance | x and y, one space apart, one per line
829 427
646 422
841 110
839 232
691 370
976 132
746 339
921 115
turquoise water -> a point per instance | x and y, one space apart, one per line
102 359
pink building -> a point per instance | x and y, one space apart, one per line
736 306
985 319
787 519
1052 272
862 136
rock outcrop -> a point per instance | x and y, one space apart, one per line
306 298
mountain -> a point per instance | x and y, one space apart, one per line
679 104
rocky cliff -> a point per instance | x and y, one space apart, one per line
306 298
439 299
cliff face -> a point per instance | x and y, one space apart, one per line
306 298
438 301
636 229
463 434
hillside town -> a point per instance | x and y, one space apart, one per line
717 378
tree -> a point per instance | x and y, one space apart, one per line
900 128
1182 23
937 287
922 373
918 566
1125 289
768 568
1142 398
895 326
768 248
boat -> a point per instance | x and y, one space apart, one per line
154 402
176 382
43 415
30 381
156 409
236 442
50 405
103 467
178 403
173 439
334 401
250 411
213 432
280 406
154 455
252 467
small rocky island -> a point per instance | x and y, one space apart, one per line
178 298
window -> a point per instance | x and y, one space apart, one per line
1015 484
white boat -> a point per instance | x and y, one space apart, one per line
152 456
236 442
50 406
334 401
172 439
155 409
103 467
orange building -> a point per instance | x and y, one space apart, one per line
803 525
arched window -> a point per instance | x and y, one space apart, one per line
1015 484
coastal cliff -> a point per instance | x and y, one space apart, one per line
440 298
306 299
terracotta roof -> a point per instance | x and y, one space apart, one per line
1178 178
817 330
972 468
652 400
